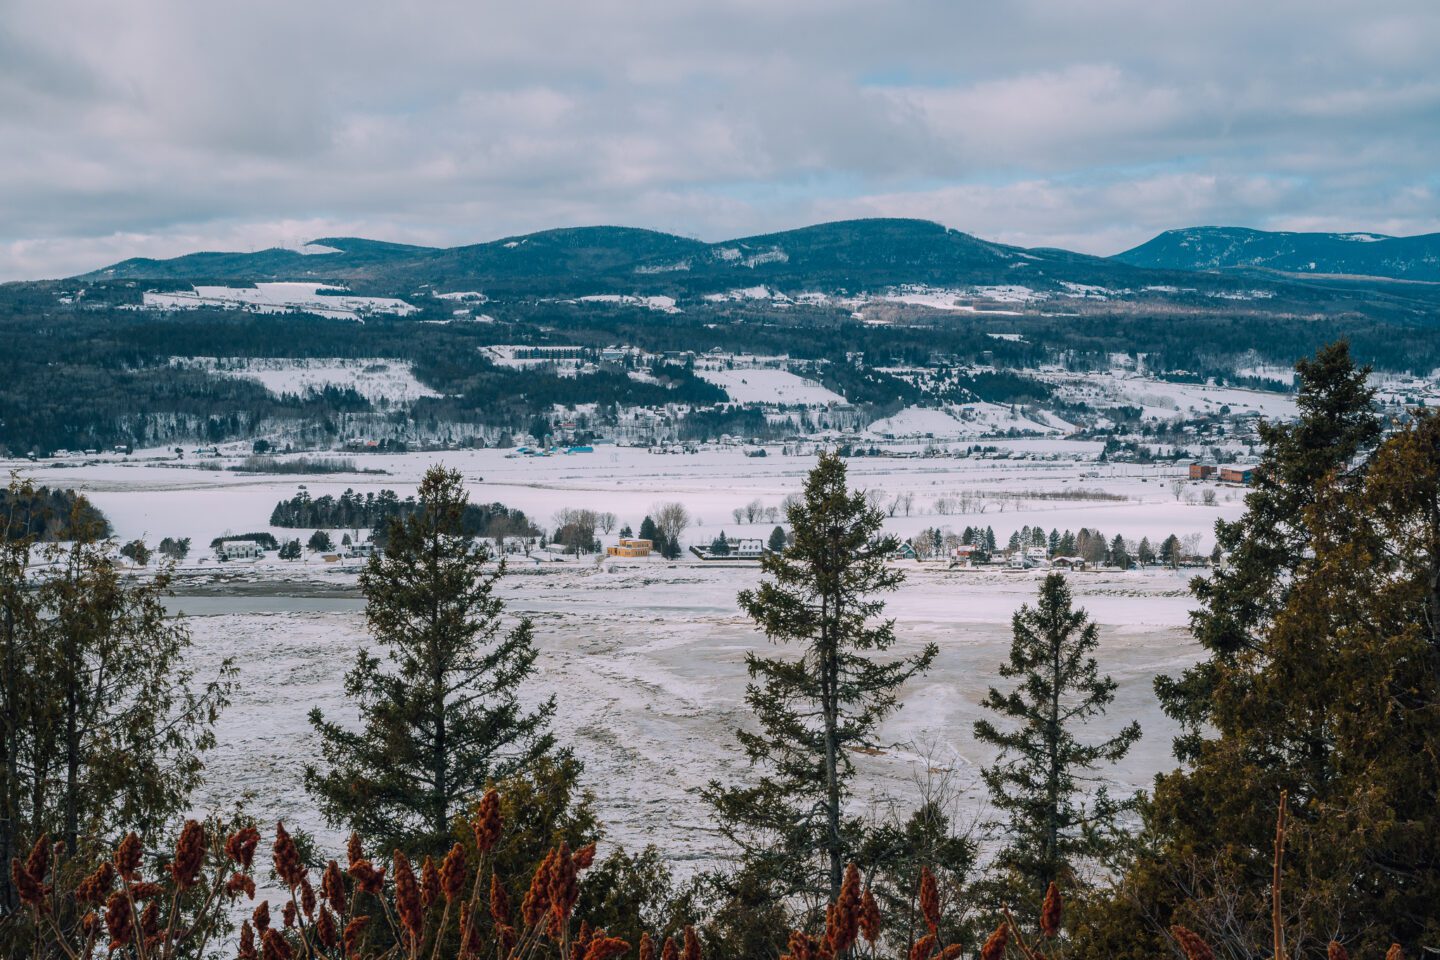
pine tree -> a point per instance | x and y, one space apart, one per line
1145 553
777 540
813 711
1170 552
440 717
1036 781
1119 553
649 532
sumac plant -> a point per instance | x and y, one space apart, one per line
372 908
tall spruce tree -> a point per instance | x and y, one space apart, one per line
815 709
1043 769
1239 600
440 717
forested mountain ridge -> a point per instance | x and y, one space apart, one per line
1352 254
850 255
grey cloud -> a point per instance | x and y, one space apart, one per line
153 128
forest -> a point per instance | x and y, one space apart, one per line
94 372
42 515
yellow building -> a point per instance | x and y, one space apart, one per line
630 547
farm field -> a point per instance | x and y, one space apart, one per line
148 497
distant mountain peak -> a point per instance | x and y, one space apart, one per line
1240 248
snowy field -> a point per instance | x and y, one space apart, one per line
645 657
374 379
964 420
1166 401
145 496
770 386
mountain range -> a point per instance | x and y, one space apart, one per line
844 256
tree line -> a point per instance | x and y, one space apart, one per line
374 511
43 514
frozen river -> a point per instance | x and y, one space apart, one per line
646 662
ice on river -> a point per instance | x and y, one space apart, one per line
646 662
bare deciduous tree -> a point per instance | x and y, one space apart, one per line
671 519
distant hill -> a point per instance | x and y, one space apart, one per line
851 255
1354 254
350 254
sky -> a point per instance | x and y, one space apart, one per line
150 128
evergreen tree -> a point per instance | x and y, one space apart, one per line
649 532
1119 553
1333 696
990 539
1145 553
1170 552
813 711
777 540
290 550
1265 546
1053 544
320 541
720 547
102 721
175 549
1036 781
440 718
137 551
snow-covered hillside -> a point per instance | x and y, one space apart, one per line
374 379
770 386
279 297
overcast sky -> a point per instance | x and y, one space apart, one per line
145 128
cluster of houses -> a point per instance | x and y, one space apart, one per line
740 548
968 555
227 550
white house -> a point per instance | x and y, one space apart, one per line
747 547
239 550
